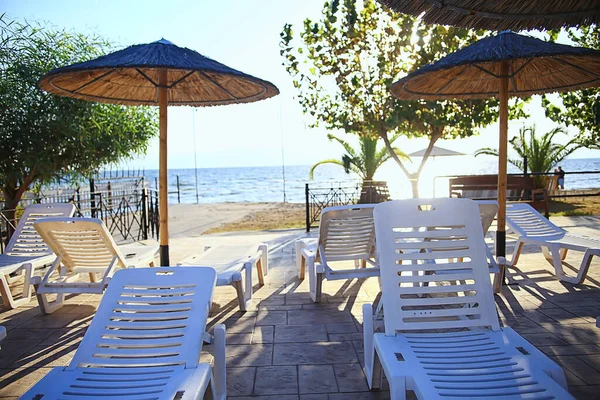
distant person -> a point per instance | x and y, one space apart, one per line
561 178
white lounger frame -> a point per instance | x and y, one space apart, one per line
26 250
532 228
145 342
346 233
84 245
232 261
476 358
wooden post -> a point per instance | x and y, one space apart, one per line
163 169
502 157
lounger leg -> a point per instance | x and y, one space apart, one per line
240 294
248 284
8 299
312 279
47 307
557 262
368 333
563 254
397 387
219 367
516 253
583 268
264 259
300 260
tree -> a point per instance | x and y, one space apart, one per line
542 153
44 136
346 62
363 162
580 108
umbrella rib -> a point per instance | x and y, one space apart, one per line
90 82
577 67
486 71
171 86
217 84
451 80
146 77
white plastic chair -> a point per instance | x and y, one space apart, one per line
84 245
532 228
145 342
232 262
346 233
26 250
475 358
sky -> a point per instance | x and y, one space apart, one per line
243 34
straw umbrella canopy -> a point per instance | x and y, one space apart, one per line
500 15
500 66
158 73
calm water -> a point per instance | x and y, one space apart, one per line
266 184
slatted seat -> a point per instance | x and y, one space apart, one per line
442 337
231 260
26 250
84 245
532 228
144 342
346 233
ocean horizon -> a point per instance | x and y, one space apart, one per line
267 184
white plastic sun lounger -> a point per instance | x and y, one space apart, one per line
532 228
476 358
144 342
234 264
346 233
84 245
26 250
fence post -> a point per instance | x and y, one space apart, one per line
92 198
178 191
78 195
144 214
306 195
109 194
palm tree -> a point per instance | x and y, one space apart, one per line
364 162
542 153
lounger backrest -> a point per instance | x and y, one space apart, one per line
25 241
346 233
80 242
149 317
487 212
421 288
526 221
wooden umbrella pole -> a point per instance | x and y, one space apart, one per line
163 191
502 161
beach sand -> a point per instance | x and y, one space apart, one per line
189 220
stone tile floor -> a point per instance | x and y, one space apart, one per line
286 347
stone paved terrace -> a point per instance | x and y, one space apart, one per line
287 348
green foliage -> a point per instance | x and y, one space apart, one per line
44 136
580 108
363 162
345 63
542 153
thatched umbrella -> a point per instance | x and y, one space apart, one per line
500 66
162 74
500 15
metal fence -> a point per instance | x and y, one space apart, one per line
321 195
128 208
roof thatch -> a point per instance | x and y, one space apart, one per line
502 14
130 76
534 66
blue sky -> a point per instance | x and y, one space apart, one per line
242 34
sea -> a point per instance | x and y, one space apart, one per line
287 183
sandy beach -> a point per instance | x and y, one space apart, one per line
189 220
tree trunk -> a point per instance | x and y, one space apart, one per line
374 192
414 185
12 196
